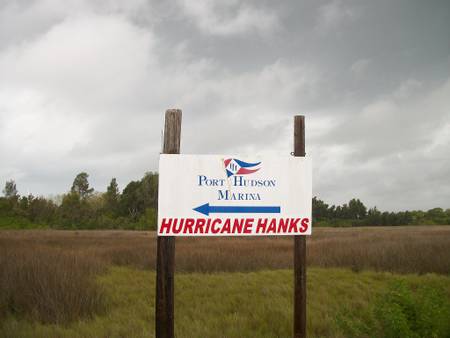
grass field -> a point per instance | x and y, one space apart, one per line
362 282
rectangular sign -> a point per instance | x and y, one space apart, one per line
214 195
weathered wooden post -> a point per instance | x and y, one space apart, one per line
165 260
192 211
299 246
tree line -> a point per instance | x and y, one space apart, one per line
83 208
355 213
136 208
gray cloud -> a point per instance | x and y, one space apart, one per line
228 18
333 14
84 85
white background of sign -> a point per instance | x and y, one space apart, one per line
179 190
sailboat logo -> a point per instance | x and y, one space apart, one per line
233 166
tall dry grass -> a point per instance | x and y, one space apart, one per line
48 285
411 249
49 275
415 249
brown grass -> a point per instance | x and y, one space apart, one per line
48 274
49 285
415 249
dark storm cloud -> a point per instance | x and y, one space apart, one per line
84 84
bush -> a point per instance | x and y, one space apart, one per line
17 222
408 313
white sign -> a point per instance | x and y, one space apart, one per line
212 195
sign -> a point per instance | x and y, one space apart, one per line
212 195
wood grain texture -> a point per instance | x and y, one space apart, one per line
165 257
299 246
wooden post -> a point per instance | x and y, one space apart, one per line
165 257
299 246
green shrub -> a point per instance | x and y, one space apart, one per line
407 313
17 222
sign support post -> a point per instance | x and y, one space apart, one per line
265 196
299 246
165 260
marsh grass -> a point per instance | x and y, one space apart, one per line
341 303
413 249
50 286
49 275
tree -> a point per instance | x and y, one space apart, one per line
10 190
80 186
373 217
149 189
356 209
342 212
70 209
41 210
76 212
319 209
112 196
140 195
131 202
437 215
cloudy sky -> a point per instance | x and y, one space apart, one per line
84 85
